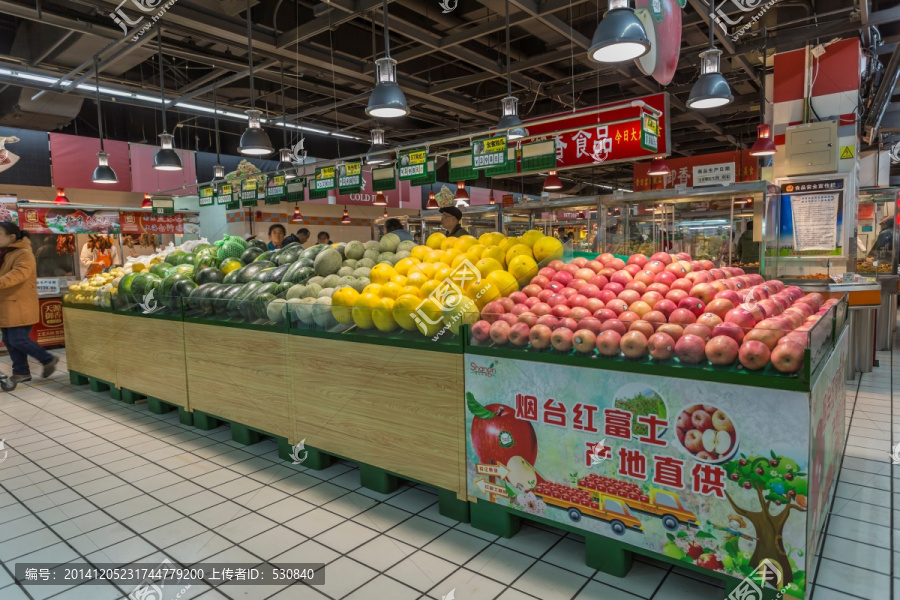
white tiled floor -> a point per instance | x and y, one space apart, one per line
90 479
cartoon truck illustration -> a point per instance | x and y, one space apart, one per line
661 503
579 503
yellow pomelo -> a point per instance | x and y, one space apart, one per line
517 250
389 290
404 265
483 292
410 290
430 318
474 253
531 236
506 244
465 312
420 252
362 310
494 252
416 279
547 249
448 243
442 273
381 273
488 265
523 268
435 256
383 315
427 269
404 307
341 302
435 240
373 288
458 260
429 286
504 282
485 239
402 280
465 242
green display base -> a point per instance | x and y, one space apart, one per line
130 396
98 385
115 393
185 417
239 433
205 422
285 449
377 479
316 460
605 555
452 507
159 407
76 378
494 519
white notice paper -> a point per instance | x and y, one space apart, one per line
815 221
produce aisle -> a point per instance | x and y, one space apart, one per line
89 478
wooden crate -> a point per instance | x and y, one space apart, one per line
239 375
91 347
396 409
151 359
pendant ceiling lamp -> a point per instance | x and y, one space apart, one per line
461 196
510 121
385 215
380 200
432 201
147 202
387 100
61 196
619 36
285 166
255 141
218 169
345 220
659 167
491 200
297 218
764 144
710 90
165 159
552 182
378 152
103 173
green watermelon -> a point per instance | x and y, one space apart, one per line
125 286
170 281
233 277
231 247
181 288
267 255
159 269
204 261
209 275
257 243
261 304
250 254
177 258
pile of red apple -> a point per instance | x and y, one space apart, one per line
663 306
613 487
706 432
566 493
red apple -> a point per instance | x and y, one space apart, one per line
492 311
607 295
640 307
545 294
599 281
591 324
589 290
665 278
709 319
606 272
532 301
655 317
570 268
594 265
656 266
660 288
499 438
584 340
528 318
608 342
628 317
754 355
622 278
665 306
684 421
729 295
549 320
617 306
519 334
693 442
632 270
605 314
682 284
767 336
564 277
661 346
584 274
740 316
652 297
646 277
579 261
567 323
500 332
637 286
518 297
722 350
561 339
695 305
633 344
532 289
481 330
637 259
509 318
690 349
676 296
541 309
704 292
719 307
674 331
579 312
560 311
555 287
730 329
663 257
615 288
629 296
701 420
701 331
642 326
594 304
614 325
678 269
682 316
787 357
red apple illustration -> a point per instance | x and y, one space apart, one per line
497 435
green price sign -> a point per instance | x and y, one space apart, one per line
163 206
649 133
325 179
489 152
350 175
224 194
206 196
412 164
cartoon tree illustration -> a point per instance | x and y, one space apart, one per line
781 488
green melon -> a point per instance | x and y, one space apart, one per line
328 262
389 242
354 250
209 275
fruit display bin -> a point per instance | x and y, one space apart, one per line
712 468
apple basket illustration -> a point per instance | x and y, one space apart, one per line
707 433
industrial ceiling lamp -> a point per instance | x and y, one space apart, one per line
619 36
255 141
380 200
297 218
710 90
432 201
378 154
218 169
553 182
61 196
345 220
147 202
461 196
764 144
387 100
658 167
103 173
165 159
285 166
510 121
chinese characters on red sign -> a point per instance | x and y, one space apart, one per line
144 222
682 170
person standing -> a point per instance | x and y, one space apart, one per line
450 218
747 249
301 237
19 307
98 254
323 238
277 233
394 226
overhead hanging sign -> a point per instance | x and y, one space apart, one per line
489 152
717 174
649 133
539 156
9 210
275 189
384 179
325 179
223 194
412 164
137 222
163 205
682 170
350 177
249 192
61 220
207 196
24 159
594 138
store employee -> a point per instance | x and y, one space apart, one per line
450 218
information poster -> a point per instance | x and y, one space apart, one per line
697 471
815 221
60 220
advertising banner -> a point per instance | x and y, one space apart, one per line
75 158
685 170
62 220
235 166
9 210
697 471
596 139
49 330
24 157
137 222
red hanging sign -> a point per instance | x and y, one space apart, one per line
682 170
63 220
138 222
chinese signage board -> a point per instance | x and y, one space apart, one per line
597 139
224 193
350 177
659 463
716 174
508 201
49 330
811 217
249 191
275 189
9 210
137 222
489 152
61 220
48 285
207 196
163 206
682 170
412 164
649 133
325 179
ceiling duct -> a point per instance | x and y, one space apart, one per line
48 113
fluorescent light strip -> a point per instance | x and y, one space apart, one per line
344 135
